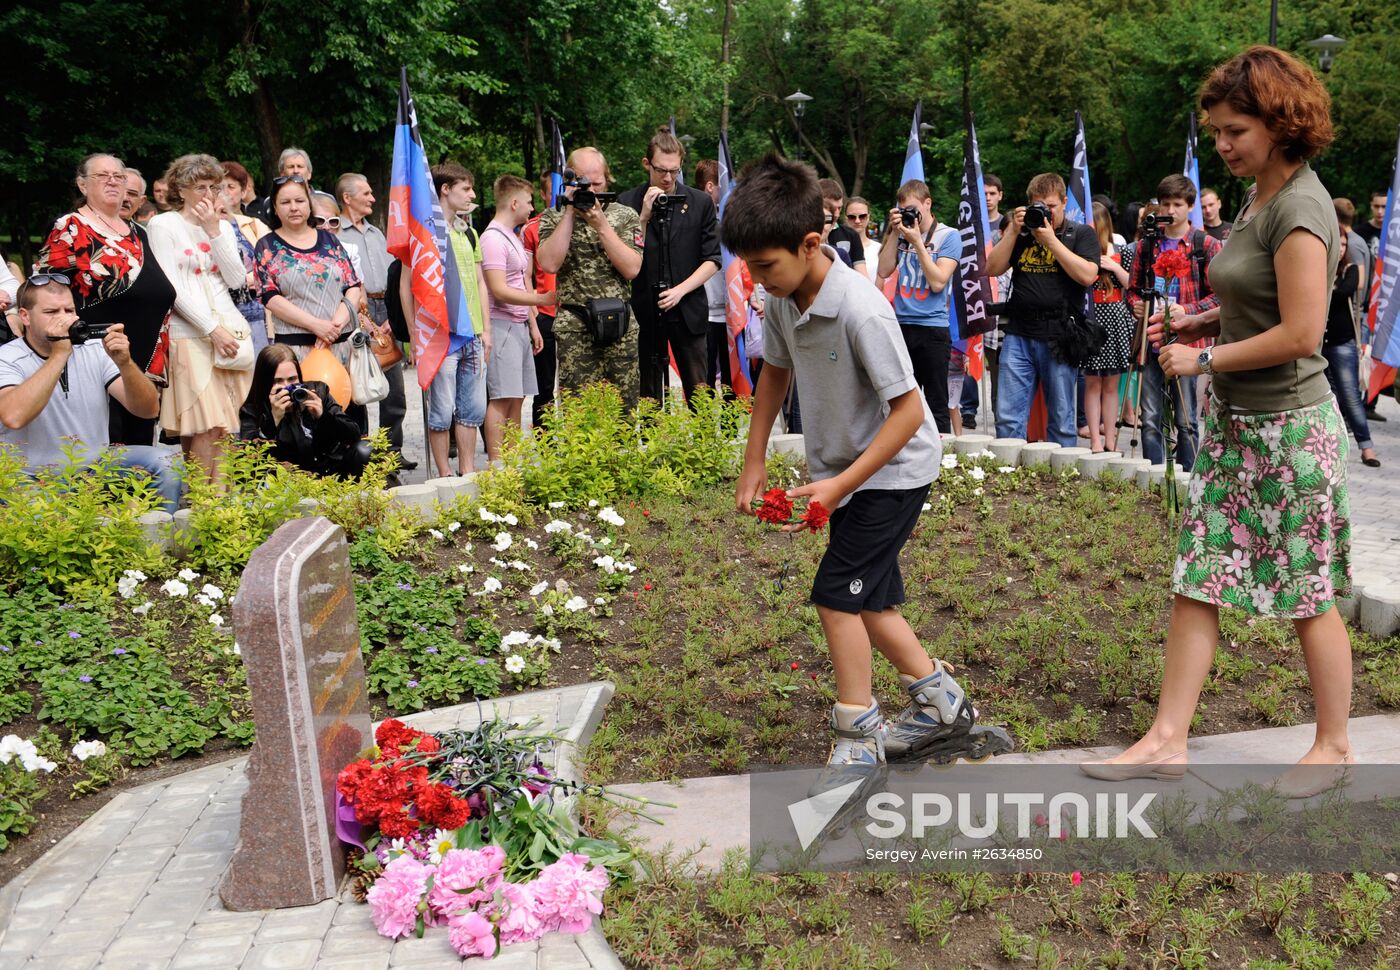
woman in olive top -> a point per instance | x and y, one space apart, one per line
1266 527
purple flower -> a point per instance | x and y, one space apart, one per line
405 586
413 683
118 651
74 635
480 661
6 649
86 678
38 643
432 649
422 629
459 659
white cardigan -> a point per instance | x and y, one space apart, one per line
202 269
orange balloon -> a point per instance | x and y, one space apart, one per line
322 365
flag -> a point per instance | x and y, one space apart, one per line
736 304
680 176
972 289
1193 172
556 161
418 239
1079 207
913 155
1385 301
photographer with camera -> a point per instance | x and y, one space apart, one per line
593 245
299 419
1168 228
680 232
1053 263
56 381
925 255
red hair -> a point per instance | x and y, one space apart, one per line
1281 91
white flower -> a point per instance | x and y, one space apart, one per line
84 750
1006 469
188 575
143 609
556 505
575 604
488 516
605 541
436 534
977 491
126 586
539 587
441 843
13 744
135 574
515 663
558 525
598 601
216 620
38 763
510 519
212 591
607 564
503 542
547 610
926 507
515 638
523 567
173 587
986 453
976 473
593 503
497 562
586 537
627 567
454 527
492 585
204 601
950 460
237 649
611 517
531 544
464 569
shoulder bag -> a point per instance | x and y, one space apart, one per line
367 381
606 319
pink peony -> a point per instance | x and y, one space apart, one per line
394 897
517 913
472 935
568 895
466 877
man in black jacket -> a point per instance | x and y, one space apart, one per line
680 252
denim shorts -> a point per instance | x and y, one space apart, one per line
459 388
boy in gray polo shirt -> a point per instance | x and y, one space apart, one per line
872 450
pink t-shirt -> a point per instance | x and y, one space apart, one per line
502 249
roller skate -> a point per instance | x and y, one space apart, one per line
855 766
940 725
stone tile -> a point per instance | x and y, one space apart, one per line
18 945
563 958
88 935
115 893
76 960
127 861
595 948
283 955
345 941
216 953
135 963
299 923
217 923
143 946
433 946
166 912
365 961
510 959
43 895
351 913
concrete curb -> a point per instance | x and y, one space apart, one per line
1063 459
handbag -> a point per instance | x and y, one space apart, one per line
367 381
606 318
243 359
386 349
1079 340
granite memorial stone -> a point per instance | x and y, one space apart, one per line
295 622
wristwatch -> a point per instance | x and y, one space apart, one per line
1203 359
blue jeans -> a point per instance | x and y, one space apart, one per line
1153 381
459 388
159 463
1024 363
1342 374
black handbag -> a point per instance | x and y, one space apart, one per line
1079 339
605 318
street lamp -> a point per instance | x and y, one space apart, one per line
1326 46
798 100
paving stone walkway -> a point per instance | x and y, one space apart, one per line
135 887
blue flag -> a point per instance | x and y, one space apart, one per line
736 305
913 155
556 161
972 290
1193 172
1385 299
680 176
1079 206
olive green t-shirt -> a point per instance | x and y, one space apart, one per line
1243 276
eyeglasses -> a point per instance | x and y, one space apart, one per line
328 222
284 179
829 219
109 177
857 217
673 172
46 277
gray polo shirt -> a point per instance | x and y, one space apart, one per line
850 362
77 413
374 254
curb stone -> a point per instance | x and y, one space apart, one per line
1063 459
1037 453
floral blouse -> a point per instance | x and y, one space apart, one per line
314 280
100 265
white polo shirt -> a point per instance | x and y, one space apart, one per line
77 409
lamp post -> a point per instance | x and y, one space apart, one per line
687 140
1326 46
798 100
1273 23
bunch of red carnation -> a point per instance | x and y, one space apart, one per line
394 792
1172 264
776 509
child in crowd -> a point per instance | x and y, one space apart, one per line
873 452
510 373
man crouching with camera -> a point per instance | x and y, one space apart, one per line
299 419
593 243
56 381
1053 262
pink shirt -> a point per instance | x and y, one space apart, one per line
501 249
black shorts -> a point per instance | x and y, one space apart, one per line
860 570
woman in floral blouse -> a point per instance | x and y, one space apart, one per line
306 281
113 281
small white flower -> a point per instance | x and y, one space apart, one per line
593 503
531 544
950 460
513 639
492 585
135 574
188 575
605 541
606 563
204 601
539 587
510 519
1006 469
173 587
503 542
143 609
976 473
464 569
84 750
216 620
38 763
598 601
556 505
558 525
436 534
487 516
12 745
515 663
497 562
237 649
523 567
627 567
610 516
441 843
546 610
977 491
454 527
926 507
212 591
575 604
986 453
586 537
126 587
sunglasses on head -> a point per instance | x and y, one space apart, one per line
45 278
284 179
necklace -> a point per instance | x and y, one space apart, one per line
122 231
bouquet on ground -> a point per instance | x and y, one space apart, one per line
470 830
776 508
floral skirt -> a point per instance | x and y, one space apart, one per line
1267 521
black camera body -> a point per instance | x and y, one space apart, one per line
299 394
81 331
909 216
1154 225
584 196
1037 214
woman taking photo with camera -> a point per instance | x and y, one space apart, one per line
303 424
1266 527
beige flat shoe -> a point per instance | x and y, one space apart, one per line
1305 781
1170 768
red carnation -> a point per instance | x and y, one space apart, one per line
1172 264
440 808
816 516
776 508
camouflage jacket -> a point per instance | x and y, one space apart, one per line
587 273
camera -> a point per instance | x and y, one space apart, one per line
1155 224
82 331
584 196
909 216
299 393
1037 215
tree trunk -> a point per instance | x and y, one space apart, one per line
724 64
267 122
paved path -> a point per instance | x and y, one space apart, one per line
135 887
690 826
